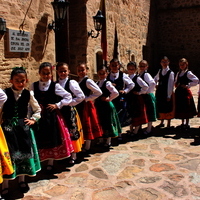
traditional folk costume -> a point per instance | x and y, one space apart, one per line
149 98
20 137
184 102
5 160
106 110
52 137
164 91
135 102
70 113
198 104
121 81
87 110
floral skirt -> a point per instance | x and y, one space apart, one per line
77 144
62 151
6 167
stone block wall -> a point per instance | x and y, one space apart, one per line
178 24
129 18
38 15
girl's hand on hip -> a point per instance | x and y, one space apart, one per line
52 107
29 122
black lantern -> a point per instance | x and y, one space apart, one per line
98 22
60 10
2 26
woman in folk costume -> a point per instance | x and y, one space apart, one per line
86 109
135 102
52 137
19 135
124 85
106 111
149 98
6 167
69 112
164 93
184 103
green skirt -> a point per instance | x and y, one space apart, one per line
150 103
108 118
27 166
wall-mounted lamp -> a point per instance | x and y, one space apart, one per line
60 10
98 22
2 26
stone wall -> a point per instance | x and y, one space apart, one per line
128 17
36 21
144 29
178 25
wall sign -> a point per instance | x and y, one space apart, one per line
19 41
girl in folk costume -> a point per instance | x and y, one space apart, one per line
164 93
16 126
135 102
123 84
86 109
5 161
53 138
184 102
105 109
198 103
149 98
69 112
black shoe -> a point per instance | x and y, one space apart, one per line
186 127
72 161
160 126
107 145
49 169
23 186
5 194
147 133
86 152
180 126
169 128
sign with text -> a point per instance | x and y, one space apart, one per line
19 41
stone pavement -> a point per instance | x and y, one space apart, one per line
162 166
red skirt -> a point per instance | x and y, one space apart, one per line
184 103
138 111
62 151
90 121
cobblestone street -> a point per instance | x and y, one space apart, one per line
163 166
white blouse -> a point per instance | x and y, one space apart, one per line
128 83
66 96
96 91
170 80
194 80
113 91
148 79
3 98
76 90
34 109
141 83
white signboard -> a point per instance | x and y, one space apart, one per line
19 41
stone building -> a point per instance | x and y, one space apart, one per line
127 24
176 33
135 30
